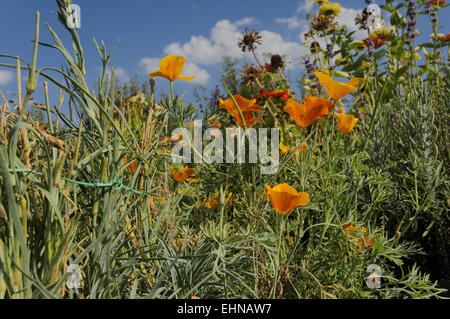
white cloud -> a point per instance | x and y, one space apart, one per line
201 75
246 21
201 51
223 41
121 74
150 64
189 69
6 77
305 5
292 22
347 18
274 43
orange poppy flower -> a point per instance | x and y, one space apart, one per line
346 122
335 89
306 113
247 107
182 174
170 68
212 204
351 228
132 167
367 243
286 149
284 198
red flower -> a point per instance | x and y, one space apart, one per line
283 94
445 38
437 2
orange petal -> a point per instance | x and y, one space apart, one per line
346 122
284 148
356 81
336 90
170 68
284 198
162 74
132 167
182 174
306 113
172 64
247 107
187 78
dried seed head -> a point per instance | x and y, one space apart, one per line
251 74
323 23
315 47
249 40
276 62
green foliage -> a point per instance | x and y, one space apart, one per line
379 195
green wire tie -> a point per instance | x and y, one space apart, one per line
116 184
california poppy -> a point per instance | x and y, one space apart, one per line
285 198
182 174
365 243
286 149
132 166
308 111
170 68
335 89
346 122
247 107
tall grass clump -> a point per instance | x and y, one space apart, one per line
362 180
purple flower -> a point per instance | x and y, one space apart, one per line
330 50
215 97
371 50
310 70
412 22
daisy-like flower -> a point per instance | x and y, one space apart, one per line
337 90
285 198
330 8
247 107
170 68
346 122
308 111
181 174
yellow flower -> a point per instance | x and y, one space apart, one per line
330 8
383 32
346 122
335 89
358 45
284 149
284 198
170 68
308 111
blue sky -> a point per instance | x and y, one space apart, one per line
202 31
